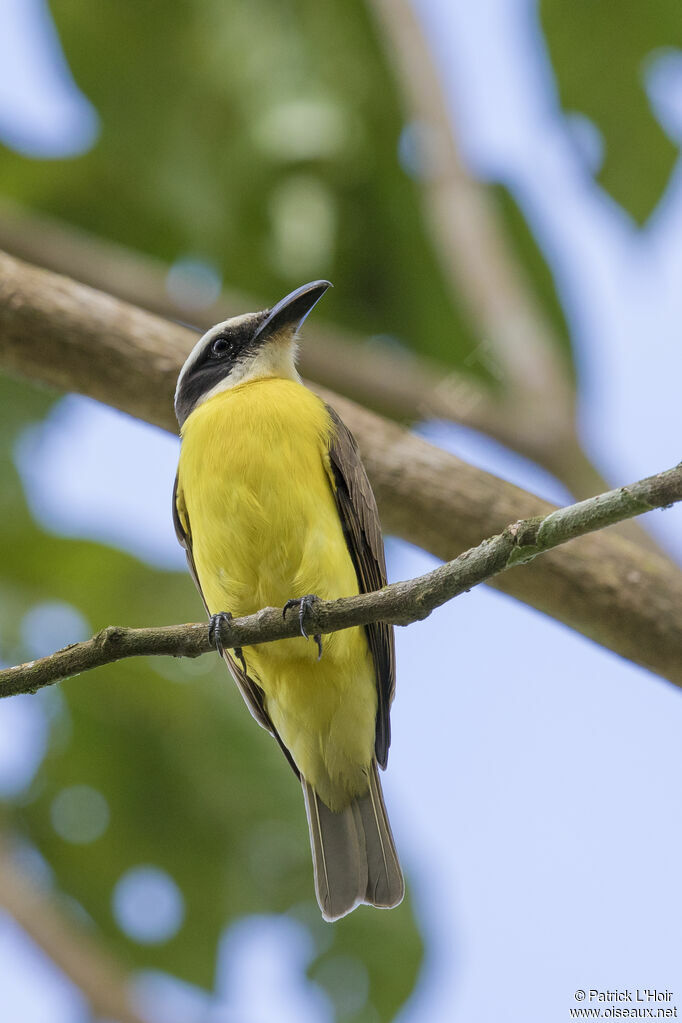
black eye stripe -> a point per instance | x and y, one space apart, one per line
216 360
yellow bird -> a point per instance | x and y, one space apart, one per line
273 507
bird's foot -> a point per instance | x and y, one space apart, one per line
214 623
304 604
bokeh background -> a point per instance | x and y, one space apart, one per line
199 146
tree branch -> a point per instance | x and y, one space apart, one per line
72 337
396 383
399 604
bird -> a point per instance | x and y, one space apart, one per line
274 509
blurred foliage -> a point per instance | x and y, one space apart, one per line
263 137
599 50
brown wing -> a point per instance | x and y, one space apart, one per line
360 518
254 697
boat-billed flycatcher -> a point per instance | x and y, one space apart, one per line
272 505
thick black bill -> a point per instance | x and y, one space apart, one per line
291 311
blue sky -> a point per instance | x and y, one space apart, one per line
534 778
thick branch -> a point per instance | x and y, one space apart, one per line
399 604
399 384
77 339
396 383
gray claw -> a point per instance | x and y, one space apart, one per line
304 604
214 624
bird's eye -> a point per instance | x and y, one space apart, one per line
220 346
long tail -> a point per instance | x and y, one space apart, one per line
354 855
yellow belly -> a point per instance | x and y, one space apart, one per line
255 482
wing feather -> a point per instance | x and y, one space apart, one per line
362 528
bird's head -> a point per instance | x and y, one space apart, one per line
245 348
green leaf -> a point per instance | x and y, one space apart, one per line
598 50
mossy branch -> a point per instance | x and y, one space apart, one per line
400 603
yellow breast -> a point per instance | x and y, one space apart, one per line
255 480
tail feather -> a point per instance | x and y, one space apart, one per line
354 855
385 885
